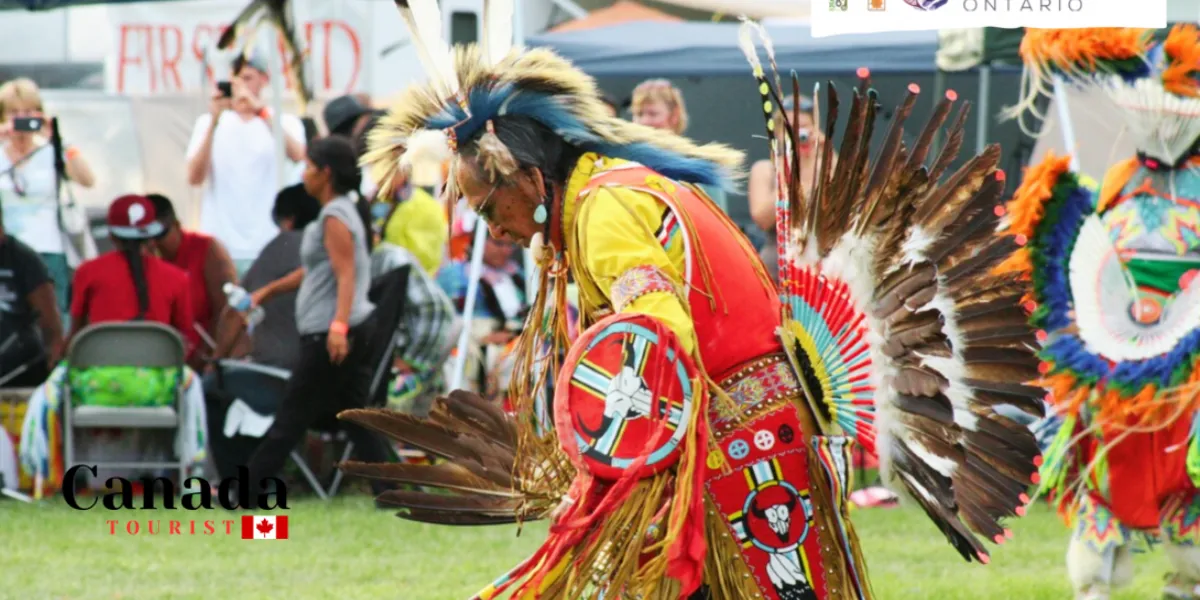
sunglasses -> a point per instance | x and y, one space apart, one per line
485 207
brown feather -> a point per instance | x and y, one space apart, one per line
1025 397
431 437
954 142
917 328
921 150
989 287
450 517
885 177
935 407
966 313
1001 364
987 257
977 222
944 206
888 254
919 381
836 203
1011 316
465 502
825 168
892 292
447 475
912 473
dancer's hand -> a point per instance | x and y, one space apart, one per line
338 347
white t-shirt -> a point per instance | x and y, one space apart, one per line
31 215
242 182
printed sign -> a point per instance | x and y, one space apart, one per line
169 48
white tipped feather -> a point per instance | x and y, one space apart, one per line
426 145
941 464
425 24
497 29
916 244
424 155
746 43
415 35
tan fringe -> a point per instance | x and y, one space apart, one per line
726 573
838 579
543 464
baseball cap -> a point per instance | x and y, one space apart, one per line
341 113
254 60
131 217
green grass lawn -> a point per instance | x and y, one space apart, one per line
346 549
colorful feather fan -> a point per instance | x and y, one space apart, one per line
906 337
1109 264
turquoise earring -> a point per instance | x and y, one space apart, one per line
540 215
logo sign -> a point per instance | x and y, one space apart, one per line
166 48
872 16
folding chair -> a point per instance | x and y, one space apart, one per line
130 344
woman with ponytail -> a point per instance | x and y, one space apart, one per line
333 314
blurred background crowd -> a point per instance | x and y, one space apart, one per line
148 178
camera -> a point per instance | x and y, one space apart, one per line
803 136
28 124
226 88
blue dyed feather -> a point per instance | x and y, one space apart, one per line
487 103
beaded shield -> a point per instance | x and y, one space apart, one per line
623 396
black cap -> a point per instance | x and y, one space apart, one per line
341 113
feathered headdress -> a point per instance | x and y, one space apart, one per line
1157 84
470 86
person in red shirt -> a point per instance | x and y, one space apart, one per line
127 284
207 263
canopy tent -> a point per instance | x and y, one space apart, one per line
709 49
706 62
622 11
755 9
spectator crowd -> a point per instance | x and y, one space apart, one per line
355 299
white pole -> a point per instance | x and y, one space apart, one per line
531 270
476 270
1064 119
984 116
275 63
473 275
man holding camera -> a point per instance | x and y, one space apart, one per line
232 153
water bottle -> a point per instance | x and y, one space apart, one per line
239 300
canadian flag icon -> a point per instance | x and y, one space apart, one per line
264 527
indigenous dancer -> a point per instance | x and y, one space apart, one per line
1118 305
697 438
